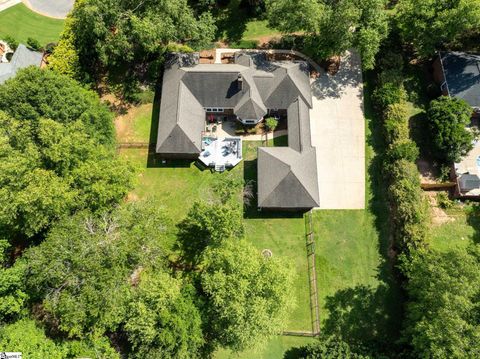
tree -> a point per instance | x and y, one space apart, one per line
248 297
49 169
208 225
442 316
83 272
332 27
448 119
163 321
329 348
112 36
431 24
271 123
34 94
64 58
13 296
26 337
33 44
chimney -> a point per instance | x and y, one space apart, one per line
240 82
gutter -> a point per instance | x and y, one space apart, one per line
444 74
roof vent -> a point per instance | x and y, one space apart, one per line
240 82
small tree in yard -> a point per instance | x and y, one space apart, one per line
33 44
448 118
271 123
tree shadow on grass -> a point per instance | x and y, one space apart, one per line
361 317
231 22
473 219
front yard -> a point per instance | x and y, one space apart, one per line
21 23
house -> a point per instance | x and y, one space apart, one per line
248 89
23 57
458 74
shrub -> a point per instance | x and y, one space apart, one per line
444 201
388 94
396 122
448 118
11 42
33 44
405 149
271 123
410 211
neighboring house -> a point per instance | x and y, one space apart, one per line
458 74
248 89
23 57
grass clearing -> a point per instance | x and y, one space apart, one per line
21 23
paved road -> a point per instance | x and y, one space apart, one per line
52 8
338 133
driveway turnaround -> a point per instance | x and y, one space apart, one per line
338 133
52 8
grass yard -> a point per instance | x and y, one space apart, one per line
176 187
22 23
462 229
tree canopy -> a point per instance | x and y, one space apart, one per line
448 118
124 36
442 316
332 27
84 283
431 24
248 296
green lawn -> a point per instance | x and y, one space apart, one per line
356 290
462 229
22 23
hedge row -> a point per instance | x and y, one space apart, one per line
409 209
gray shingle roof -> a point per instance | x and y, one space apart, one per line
462 74
287 176
23 57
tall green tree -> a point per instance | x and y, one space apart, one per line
332 27
163 321
26 337
442 313
49 169
34 94
120 37
448 118
83 272
248 296
431 24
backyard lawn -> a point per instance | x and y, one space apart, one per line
22 23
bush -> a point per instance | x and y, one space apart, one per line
11 42
443 201
448 119
271 123
403 150
33 44
388 94
410 211
396 122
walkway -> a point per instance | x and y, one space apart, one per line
338 133
57 9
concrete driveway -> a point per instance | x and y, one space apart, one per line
52 8
338 133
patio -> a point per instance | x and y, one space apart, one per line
221 153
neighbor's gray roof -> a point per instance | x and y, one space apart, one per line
287 178
468 182
23 57
462 74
